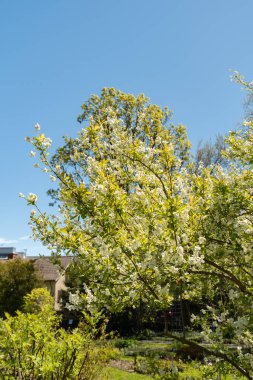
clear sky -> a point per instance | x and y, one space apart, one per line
55 53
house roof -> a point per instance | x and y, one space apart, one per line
49 270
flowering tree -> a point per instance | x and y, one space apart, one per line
147 224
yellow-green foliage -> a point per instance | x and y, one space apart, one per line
33 347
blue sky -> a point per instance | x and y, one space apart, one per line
55 53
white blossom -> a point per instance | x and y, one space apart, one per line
32 198
47 142
202 240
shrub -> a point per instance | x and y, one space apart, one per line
33 347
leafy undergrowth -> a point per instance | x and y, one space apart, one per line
159 360
190 373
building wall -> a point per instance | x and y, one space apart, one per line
59 288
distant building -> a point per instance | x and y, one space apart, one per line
53 275
7 253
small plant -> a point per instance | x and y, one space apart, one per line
124 343
158 369
146 334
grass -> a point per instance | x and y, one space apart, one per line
117 374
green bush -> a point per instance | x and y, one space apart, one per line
33 347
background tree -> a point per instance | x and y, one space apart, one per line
145 224
211 153
248 86
17 278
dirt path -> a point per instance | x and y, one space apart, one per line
124 365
